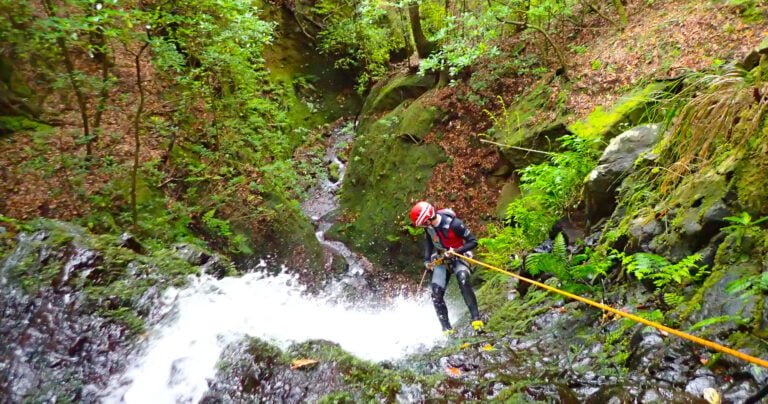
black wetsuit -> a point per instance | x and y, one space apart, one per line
450 233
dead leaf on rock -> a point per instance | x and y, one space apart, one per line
302 363
453 371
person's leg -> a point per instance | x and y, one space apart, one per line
439 283
462 276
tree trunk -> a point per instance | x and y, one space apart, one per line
136 133
103 96
622 13
82 102
423 46
558 51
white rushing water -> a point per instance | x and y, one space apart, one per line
181 354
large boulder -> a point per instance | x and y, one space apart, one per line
616 163
389 167
387 95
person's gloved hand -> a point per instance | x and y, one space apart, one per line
449 253
430 265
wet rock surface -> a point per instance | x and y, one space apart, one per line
72 305
569 354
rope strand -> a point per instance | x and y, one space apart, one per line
681 334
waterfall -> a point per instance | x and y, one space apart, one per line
180 355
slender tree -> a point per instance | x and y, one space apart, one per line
423 46
72 75
137 130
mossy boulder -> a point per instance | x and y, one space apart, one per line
630 110
509 192
253 370
418 119
616 163
387 173
727 312
518 126
387 95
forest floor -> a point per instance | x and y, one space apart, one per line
663 39
40 174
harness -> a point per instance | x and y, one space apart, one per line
443 237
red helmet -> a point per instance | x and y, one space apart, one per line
421 213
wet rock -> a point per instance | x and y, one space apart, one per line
610 395
616 162
696 386
738 392
255 371
52 349
80 259
645 347
191 253
217 267
127 240
718 302
211 264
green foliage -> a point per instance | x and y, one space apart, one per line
573 271
360 35
547 190
743 226
749 285
717 320
751 10
555 262
465 39
661 271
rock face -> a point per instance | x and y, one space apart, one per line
388 169
387 95
72 304
616 163
255 371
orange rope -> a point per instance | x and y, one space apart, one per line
700 341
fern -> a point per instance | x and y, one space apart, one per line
555 263
716 320
661 271
673 299
642 265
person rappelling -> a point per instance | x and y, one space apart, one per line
445 234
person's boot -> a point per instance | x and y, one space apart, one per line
450 332
478 326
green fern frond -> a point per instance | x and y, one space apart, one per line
559 247
716 320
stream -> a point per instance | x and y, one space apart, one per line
178 357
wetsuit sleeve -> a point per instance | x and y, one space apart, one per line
470 241
429 248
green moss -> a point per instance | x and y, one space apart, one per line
388 94
386 174
368 381
417 120
12 124
628 111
